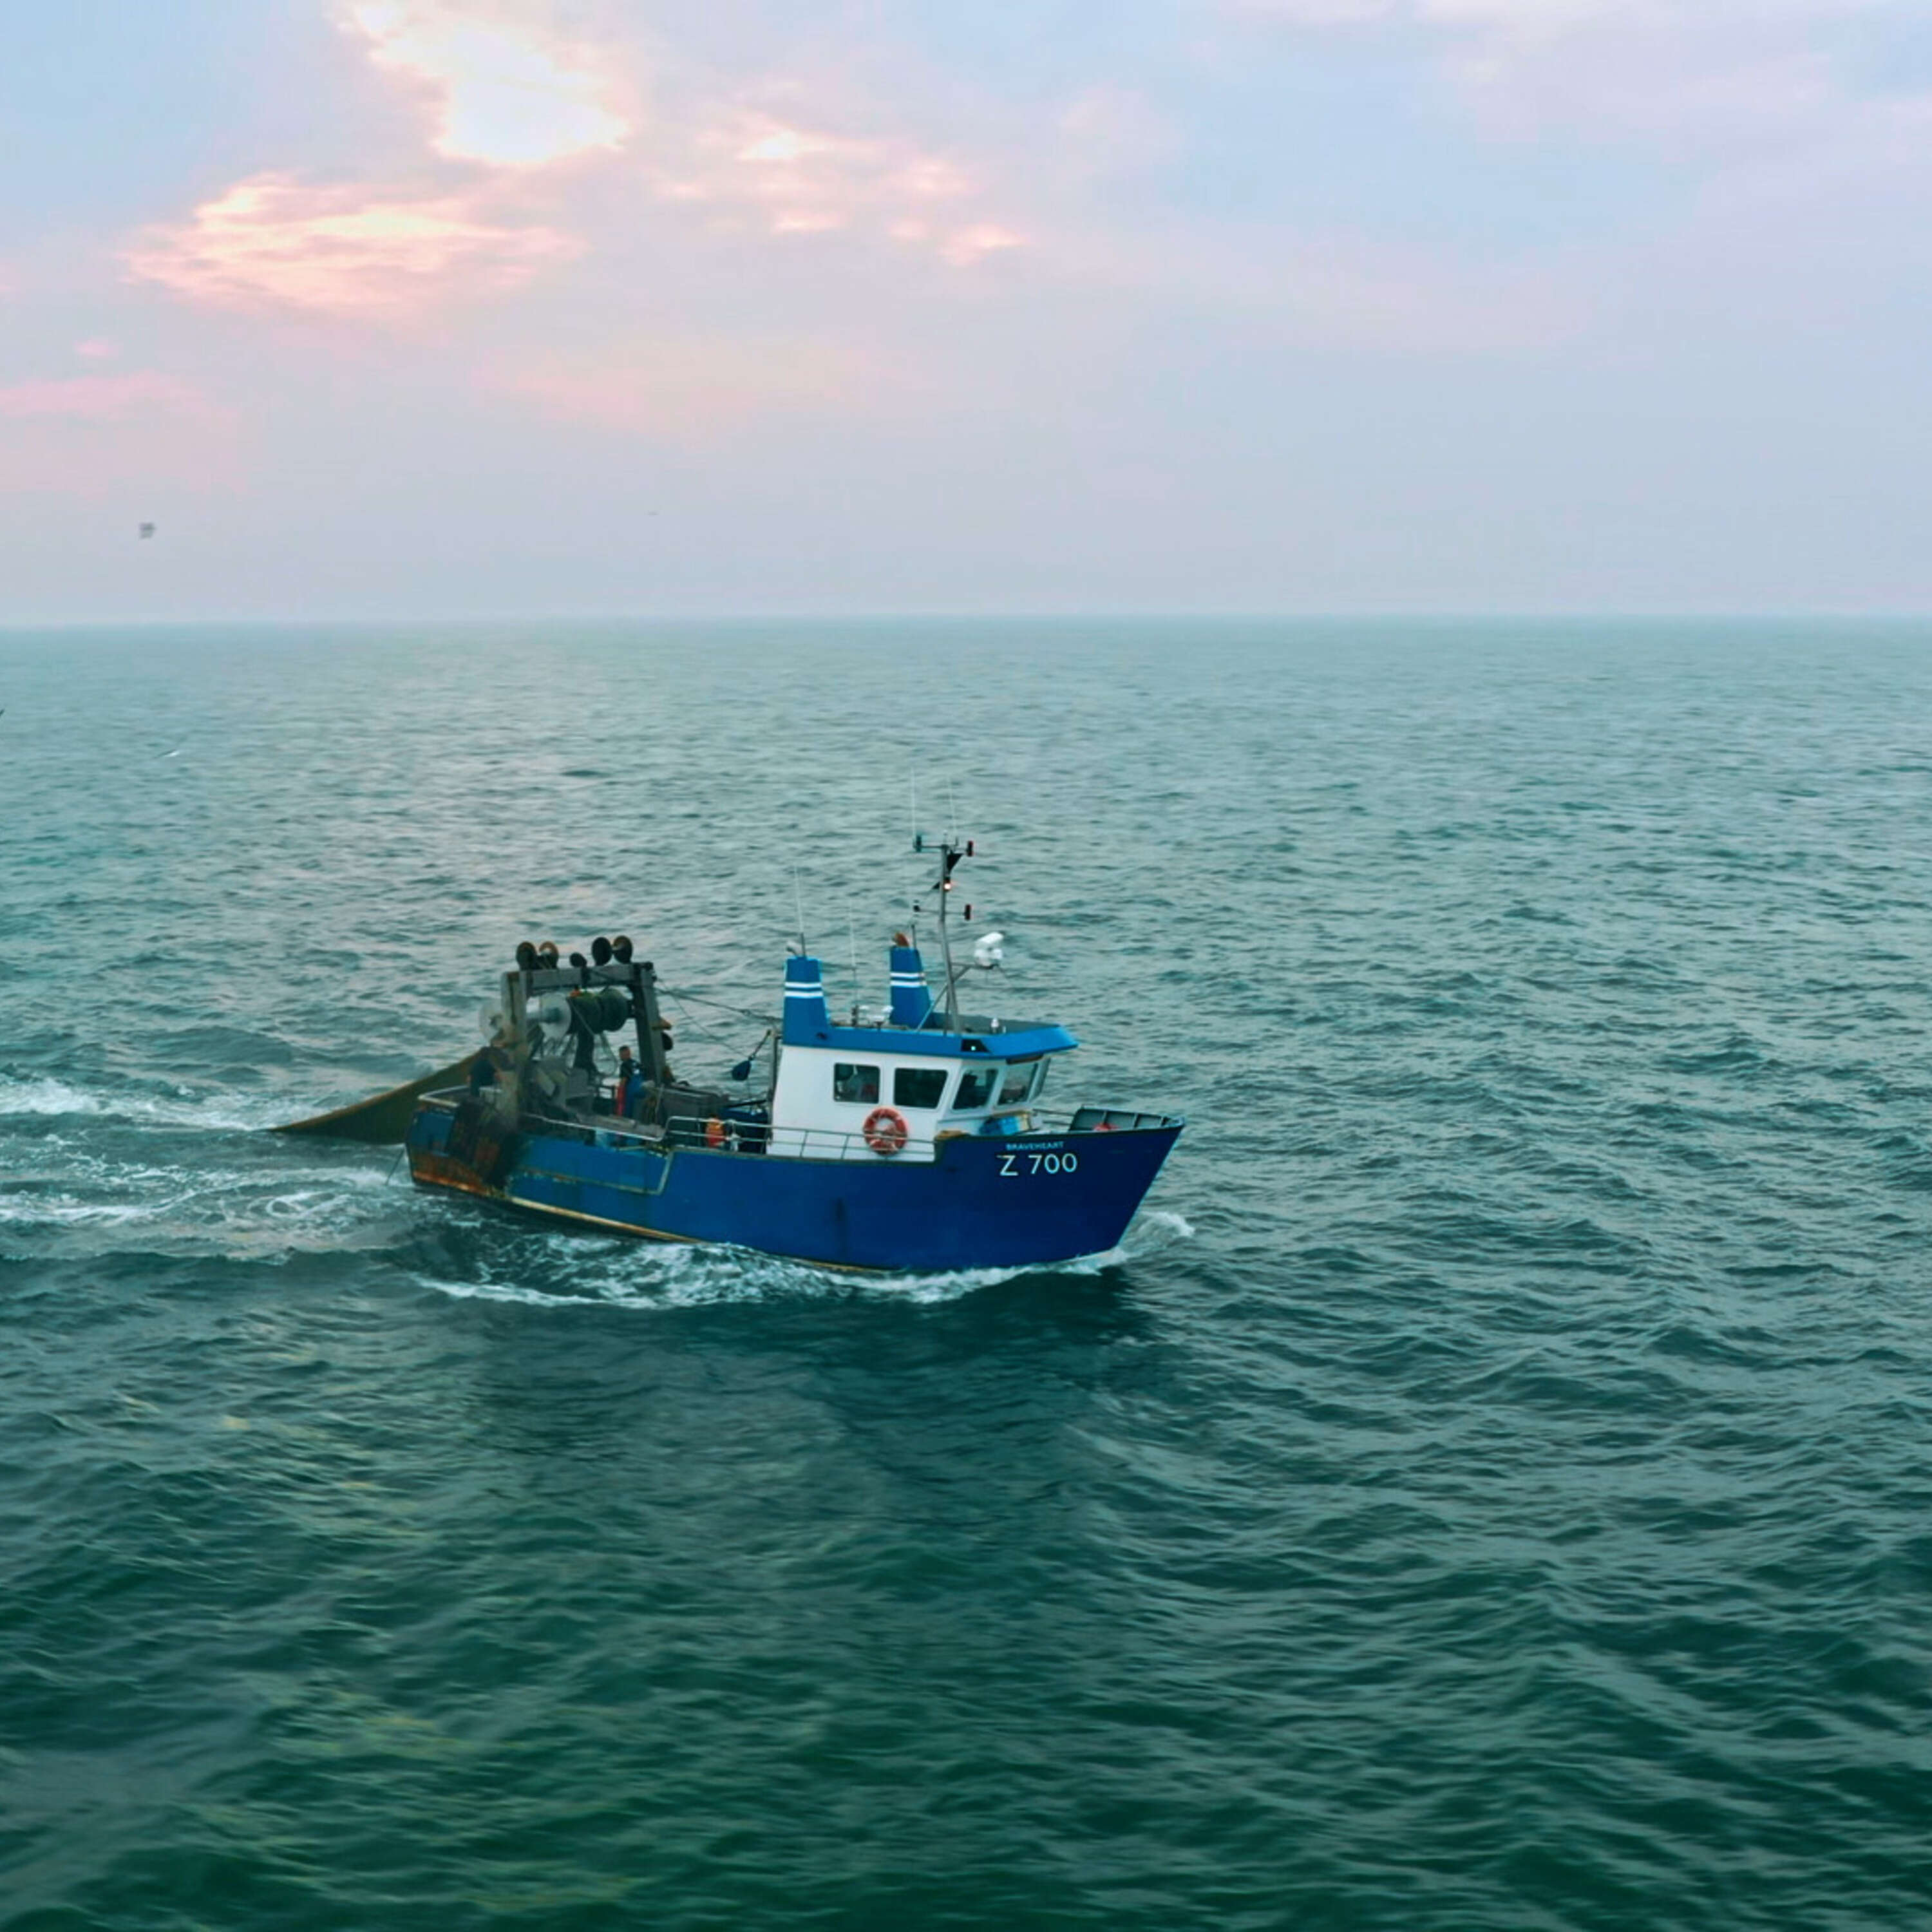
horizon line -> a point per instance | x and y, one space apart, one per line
368 620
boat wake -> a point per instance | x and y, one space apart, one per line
104 1169
559 1270
47 1098
222 1213
89 1173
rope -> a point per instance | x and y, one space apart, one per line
761 1018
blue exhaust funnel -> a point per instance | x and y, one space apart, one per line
807 1020
911 1000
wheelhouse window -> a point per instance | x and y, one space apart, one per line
918 1086
1018 1085
858 1085
975 1089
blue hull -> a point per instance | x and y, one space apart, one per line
983 1202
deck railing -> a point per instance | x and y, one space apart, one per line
720 1135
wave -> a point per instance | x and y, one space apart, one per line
278 1208
47 1097
622 1272
655 1277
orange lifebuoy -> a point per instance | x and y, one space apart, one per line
714 1133
885 1130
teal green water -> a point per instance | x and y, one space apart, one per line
1489 1488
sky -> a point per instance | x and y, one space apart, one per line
559 307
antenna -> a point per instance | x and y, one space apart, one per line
798 899
918 847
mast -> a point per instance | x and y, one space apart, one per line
945 939
950 855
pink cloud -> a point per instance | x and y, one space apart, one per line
101 398
506 89
271 242
795 179
91 436
508 93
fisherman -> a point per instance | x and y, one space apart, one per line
630 1085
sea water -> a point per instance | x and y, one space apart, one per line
1490 1487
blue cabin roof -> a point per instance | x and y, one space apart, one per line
1023 1044
807 1022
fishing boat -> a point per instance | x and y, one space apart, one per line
913 1138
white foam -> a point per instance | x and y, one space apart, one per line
1178 1225
618 1272
64 1211
44 1096
56 1099
623 1273
280 1206
589 1271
